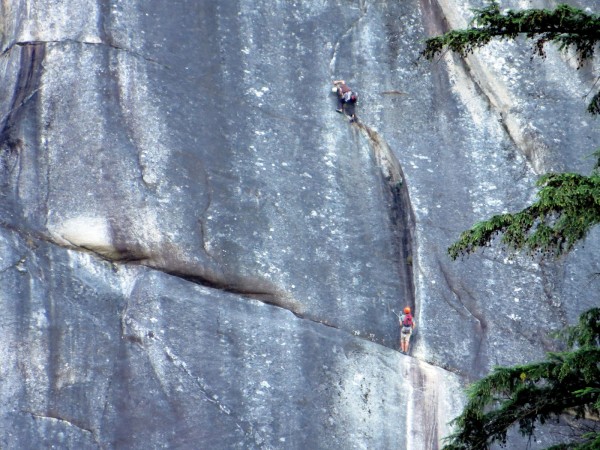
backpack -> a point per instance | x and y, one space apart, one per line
407 323
350 97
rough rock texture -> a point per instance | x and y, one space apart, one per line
196 249
128 357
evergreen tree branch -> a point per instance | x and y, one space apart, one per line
568 206
525 395
566 26
594 105
587 331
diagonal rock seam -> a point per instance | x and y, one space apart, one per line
68 422
276 299
78 42
245 427
527 142
144 339
265 296
32 236
363 12
479 318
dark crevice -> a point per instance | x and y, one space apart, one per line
242 286
400 211
434 19
104 19
269 297
26 87
264 296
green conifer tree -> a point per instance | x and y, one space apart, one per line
566 382
568 206
566 26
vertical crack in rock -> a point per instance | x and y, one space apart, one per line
434 20
103 17
204 217
400 211
56 337
422 411
27 85
470 308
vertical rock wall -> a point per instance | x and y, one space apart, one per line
195 248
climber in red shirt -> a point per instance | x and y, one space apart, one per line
407 324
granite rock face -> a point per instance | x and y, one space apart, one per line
196 249
130 357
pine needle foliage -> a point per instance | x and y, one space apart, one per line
535 393
568 206
566 26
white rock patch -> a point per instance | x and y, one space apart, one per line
92 233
